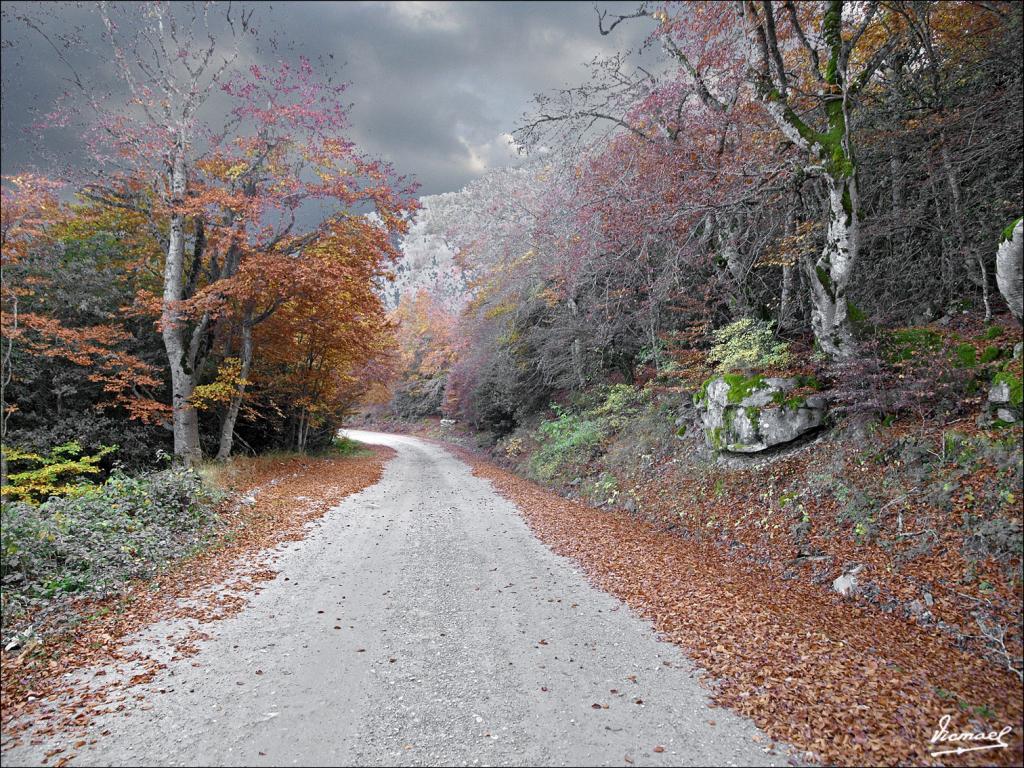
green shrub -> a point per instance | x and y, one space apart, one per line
603 490
64 472
568 439
748 344
989 354
343 446
102 538
993 332
622 403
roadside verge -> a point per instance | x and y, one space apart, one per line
849 685
274 501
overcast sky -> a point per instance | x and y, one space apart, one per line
436 86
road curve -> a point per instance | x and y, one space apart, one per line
448 636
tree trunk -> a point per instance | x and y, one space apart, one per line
184 416
1010 268
227 429
735 264
788 294
788 274
830 274
833 152
6 375
577 346
960 239
300 438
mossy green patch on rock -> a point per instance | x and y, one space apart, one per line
1013 383
857 317
1008 232
750 413
753 416
702 394
740 386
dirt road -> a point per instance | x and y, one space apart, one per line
420 623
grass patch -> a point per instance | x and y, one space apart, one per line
346 447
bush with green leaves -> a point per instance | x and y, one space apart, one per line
570 439
97 541
747 345
138 445
621 402
65 471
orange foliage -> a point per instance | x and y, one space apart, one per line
31 218
318 349
425 336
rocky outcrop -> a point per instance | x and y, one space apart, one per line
748 414
1004 397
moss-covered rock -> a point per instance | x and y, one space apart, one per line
1005 395
747 414
1013 387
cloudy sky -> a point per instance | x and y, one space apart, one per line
436 87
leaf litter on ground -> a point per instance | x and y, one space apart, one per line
845 683
41 695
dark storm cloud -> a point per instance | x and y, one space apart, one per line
435 86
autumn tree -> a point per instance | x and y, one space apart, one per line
319 349
426 350
254 190
806 65
222 158
60 354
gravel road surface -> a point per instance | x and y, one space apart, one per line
420 623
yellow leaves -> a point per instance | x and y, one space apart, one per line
229 382
29 206
521 261
62 473
500 310
236 170
424 335
550 296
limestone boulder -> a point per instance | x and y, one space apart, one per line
748 414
